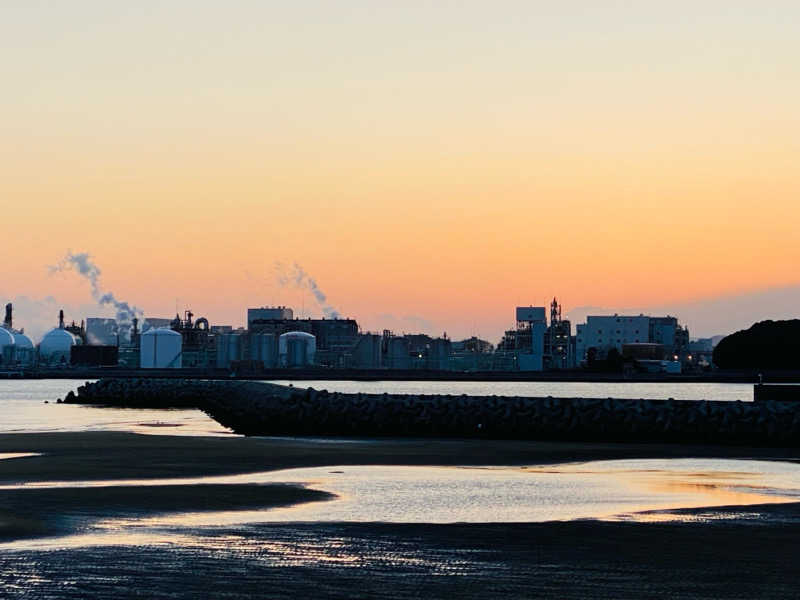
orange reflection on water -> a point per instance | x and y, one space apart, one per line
9 455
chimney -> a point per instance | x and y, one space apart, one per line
61 319
8 322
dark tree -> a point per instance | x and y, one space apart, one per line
766 345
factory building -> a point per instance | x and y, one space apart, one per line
415 351
335 340
198 346
523 348
601 334
559 350
269 313
396 351
471 354
94 355
675 339
536 345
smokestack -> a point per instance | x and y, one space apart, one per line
61 319
8 322
134 333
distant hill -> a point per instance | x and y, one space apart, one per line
766 345
716 339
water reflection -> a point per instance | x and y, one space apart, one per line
645 490
29 405
9 455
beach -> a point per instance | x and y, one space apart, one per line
735 552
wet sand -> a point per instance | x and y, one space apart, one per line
38 512
750 553
119 455
727 559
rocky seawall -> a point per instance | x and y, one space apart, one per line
257 408
166 393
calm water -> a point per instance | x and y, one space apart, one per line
605 490
22 402
597 490
22 405
608 490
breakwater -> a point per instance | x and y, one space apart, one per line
782 393
257 408
147 392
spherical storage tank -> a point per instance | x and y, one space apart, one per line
6 346
56 346
23 348
160 349
296 349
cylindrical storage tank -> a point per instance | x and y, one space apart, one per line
160 349
56 346
296 349
23 349
229 348
6 347
264 349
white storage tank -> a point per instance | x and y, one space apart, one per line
6 346
296 349
264 349
160 349
229 348
56 346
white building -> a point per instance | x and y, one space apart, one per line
602 333
606 332
531 321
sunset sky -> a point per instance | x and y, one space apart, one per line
430 164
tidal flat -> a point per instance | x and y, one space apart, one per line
79 528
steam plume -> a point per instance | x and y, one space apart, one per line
82 264
298 277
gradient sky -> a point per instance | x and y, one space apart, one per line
431 164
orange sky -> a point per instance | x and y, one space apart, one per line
416 161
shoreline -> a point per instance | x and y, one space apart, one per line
113 455
118 456
744 377
738 552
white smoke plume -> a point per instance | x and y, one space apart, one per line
82 264
297 277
